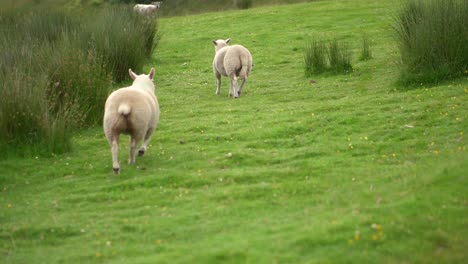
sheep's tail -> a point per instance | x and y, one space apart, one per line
124 109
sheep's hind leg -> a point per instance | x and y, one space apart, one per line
142 150
218 84
242 86
230 89
234 86
133 142
115 154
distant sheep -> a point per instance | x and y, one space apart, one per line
147 10
232 61
131 110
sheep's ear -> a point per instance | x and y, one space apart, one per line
132 74
228 40
215 43
151 74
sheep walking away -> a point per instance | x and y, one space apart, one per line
234 62
147 10
132 110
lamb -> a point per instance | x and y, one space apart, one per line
232 61
147 10
131 110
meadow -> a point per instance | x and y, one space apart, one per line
346 168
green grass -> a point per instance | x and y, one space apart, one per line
313 166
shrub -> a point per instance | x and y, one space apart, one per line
432 40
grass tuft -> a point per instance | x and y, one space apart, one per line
333 56
244 4
339 56
366 53
315 58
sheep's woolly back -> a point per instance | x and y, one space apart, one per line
147 10
232 60
238 60
133 109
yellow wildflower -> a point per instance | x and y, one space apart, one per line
357 236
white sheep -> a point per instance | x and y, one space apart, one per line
232 61
147 10
131 110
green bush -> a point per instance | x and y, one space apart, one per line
432 40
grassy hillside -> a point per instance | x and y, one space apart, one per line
350 168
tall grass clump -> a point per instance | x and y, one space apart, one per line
333 56
78 81
366 53
56 70
124 39
315 58
244 4
339 56
25 116
433 41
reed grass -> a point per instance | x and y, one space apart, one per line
333 56
339 56
432 40
315 58
366 52
57 67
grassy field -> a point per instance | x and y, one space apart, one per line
349 169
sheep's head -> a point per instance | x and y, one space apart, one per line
221 43
147 79
157 4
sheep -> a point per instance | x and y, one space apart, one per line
131 110
232 61
147 10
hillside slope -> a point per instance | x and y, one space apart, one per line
350 168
